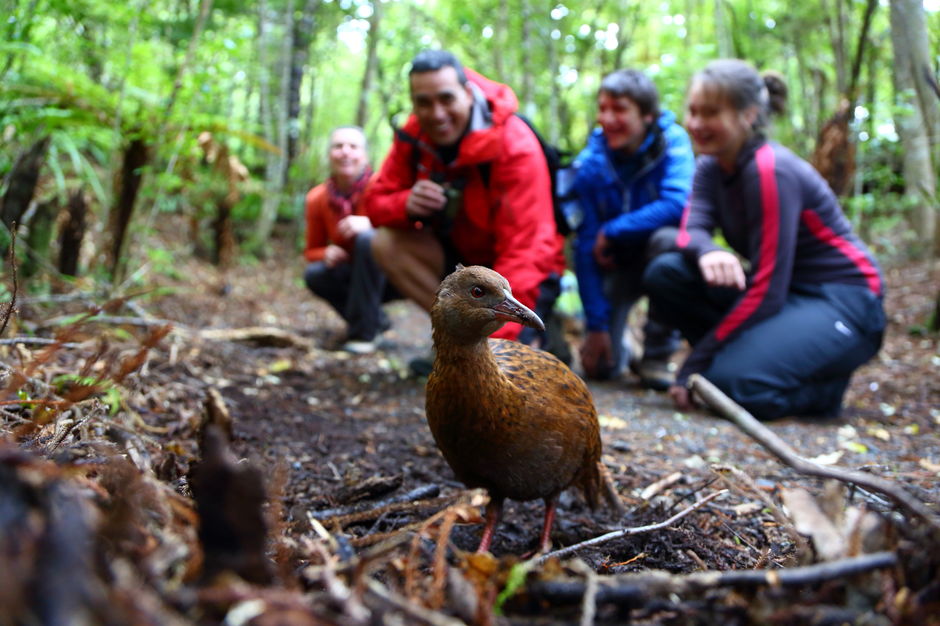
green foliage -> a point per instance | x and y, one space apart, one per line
94 74
110 394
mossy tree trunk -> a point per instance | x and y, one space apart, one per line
72 234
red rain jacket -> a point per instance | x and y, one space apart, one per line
507 221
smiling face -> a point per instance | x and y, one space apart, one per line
441 104
715 126
623 123
347 155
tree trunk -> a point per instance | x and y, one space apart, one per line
273 119
72 234
204 10
39 238
21 186
919 117
372 60
500 40
126 185
303 33
526 98
834 156
723 31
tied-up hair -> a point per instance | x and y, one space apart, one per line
744 87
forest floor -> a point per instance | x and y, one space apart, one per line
339 440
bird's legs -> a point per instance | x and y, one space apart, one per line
494 510
545 542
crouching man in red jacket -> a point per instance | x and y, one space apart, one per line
465 181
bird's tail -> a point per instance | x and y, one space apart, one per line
609 490
601 481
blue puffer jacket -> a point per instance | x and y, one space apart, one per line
629 197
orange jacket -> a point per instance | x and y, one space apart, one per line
321 224
507 223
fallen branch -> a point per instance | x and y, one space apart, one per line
376 509
12 304
37 341
260 335
728 408
636 589
637 530
417 614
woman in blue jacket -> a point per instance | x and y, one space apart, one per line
632 182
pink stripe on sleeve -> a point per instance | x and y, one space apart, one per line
826 235
770 207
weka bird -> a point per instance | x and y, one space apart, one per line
508 418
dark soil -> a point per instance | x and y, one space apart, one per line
333 431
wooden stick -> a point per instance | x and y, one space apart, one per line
376 509
417 613
731 410
37 341
634 589
637 530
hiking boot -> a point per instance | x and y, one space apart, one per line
359 346
655 374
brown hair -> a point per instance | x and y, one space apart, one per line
744 87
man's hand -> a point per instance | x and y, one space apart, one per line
720 268
352 225
596 354
426 199
681 397
602 253
334 255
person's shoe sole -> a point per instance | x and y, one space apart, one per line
359 347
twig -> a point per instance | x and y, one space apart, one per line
661 484
411 610
637 530
728 408
635 589
61 298
359 562
418 493
37 341
117 320
12 306
338 590
727 471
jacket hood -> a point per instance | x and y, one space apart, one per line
501 99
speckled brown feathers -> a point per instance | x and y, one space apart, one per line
506 417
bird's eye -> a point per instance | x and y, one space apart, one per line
477 291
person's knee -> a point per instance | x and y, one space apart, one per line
315 276
664 273
661 241
363 242
382 244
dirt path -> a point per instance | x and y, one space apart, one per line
333 420
328 433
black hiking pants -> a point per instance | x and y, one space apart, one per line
356 290
797 362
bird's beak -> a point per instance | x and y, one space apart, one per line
511 310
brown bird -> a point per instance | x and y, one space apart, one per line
508 418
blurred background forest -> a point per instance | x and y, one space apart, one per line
137 131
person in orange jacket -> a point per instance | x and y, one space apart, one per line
341 268
466 181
